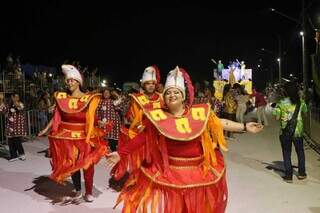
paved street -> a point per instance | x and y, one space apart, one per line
254 165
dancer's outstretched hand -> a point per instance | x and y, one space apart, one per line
254 127
112 159
42 132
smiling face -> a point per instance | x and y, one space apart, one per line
72 84
173 98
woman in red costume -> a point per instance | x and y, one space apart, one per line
184 170
75 141
149 98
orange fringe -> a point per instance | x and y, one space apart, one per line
210 138
74 155
136 115
90 117
69 156
134 160
142 195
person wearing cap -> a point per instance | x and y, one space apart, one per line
149 98
183 169
75 140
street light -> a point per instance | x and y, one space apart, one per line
284 15
304 65
302 34
280 72
279 62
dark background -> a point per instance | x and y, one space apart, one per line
123 38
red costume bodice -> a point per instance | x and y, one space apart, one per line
79 117
75 141
184 149
72 114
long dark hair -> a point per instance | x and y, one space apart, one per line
11 96
291 90
226 89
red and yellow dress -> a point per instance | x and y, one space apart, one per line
75 142
184 170
140 103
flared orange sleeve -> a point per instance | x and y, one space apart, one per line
211 137
135 114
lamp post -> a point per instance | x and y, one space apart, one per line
304 66
280 74
278 61
304 52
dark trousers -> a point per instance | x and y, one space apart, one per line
286 145
15 147
113 144
88 179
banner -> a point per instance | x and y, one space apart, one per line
219 85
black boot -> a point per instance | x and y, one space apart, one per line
287 178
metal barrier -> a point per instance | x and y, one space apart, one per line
2 128
312 125
36 120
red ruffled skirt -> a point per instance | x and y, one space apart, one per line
70 155
188 186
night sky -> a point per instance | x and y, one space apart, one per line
123 38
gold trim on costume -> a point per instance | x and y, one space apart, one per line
70 97
186 159
158 114
73 103
156 175
182 186
182 125
69 130
215 172
148 100
183 167
171 116
61 95
69 123
74 134
66 138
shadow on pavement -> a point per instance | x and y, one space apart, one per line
4 153
54 192
315 209
277 167
45 152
